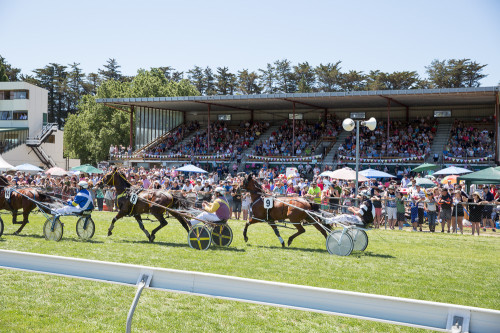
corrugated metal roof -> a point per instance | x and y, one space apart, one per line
320 100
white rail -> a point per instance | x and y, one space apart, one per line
408 312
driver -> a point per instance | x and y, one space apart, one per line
362 215
81 202
217 211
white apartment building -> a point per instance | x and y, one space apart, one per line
25 134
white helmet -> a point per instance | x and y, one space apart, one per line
219 190
83 184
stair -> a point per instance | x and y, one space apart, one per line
440 140
46 131
43 157
263 137
340 140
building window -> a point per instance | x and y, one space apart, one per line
20 115
224 117
21 94
442 113
5 115
51 139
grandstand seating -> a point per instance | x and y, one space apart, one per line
471 140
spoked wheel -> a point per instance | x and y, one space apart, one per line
222 235
360 239
55 233
85 227
1 227
199 237
339 243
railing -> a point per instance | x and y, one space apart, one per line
46 130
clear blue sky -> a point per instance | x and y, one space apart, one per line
364 35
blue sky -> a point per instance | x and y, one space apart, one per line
364 35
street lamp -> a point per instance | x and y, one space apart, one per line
348 124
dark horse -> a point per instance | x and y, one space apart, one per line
295 212
149 201
19 200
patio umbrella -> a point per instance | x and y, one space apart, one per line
56 171
26 167
425 166
4 165
326 173
485 176
424 182
347 174
452 178
453 170
372 173
190 168
87 168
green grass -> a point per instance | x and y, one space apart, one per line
449 268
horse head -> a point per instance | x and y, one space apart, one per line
115 178
251 184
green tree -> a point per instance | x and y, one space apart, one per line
3 74
285 78
248 82
328 76
375 80
197 78
268 79
210 85
12 73
455 73
53 78
75 86
352 81
305 76
89 133
92 83
111 71
226 81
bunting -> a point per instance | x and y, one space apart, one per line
385 160
286 158
467 160
199 157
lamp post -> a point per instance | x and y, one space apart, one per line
348 124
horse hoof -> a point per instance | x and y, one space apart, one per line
109 233
246 239
16 233
283 245
152 239
289 243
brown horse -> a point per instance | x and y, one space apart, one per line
292 208
148 201
19 200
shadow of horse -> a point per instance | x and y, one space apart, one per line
359 254
213 248
26 235
288 248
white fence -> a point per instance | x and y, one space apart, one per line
415 313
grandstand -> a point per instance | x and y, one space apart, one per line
450 126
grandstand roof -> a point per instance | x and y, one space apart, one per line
320 100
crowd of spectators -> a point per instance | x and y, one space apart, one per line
173 138
307 136
471 140
410 139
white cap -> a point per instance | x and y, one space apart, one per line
220 190
83 184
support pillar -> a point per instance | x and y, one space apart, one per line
293 130
208 128
497 129
388 118
407 114
325 115
131 126
251 116
184 117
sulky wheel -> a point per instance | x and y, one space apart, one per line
1 227
222 235
55 232
339 243
85 227
360 239
199 237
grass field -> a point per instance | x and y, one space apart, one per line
459 269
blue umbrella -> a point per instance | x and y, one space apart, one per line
190 168
372 173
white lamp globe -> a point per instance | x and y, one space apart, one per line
348 124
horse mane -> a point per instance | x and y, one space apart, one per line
3 181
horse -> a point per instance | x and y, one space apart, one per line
19 200
148 201
292 208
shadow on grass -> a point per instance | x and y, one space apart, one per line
212 247
278 247
79 240
359 254
27 235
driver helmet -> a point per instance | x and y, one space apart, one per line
219 190
83 184
365 193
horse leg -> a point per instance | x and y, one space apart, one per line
112 225
163 223
300 230
321 228
25 221
277 233
14 216
141 225
181 220
251 221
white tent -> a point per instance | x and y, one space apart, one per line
345 174
372 173
453 170
190 168
4 165
26 167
